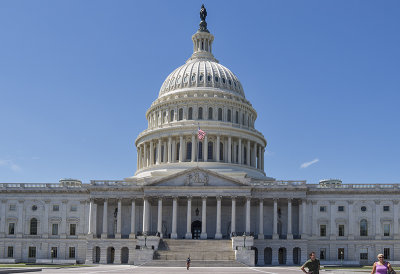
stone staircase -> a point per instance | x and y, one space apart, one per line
174 252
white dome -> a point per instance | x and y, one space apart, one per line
202 74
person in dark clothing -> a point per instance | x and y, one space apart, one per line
188 263
312 264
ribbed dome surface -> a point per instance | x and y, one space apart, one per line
200 73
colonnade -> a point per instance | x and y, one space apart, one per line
213 148
204 234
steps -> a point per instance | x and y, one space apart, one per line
174 252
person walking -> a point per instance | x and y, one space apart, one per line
312 264
382 267
188 263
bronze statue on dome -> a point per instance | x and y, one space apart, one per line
203 15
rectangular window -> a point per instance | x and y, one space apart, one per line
340 254
322 230
341 230
322 253
72 229
54 229
340 208
53 252
386 229
32 252
72 252
386 208
74 208
12 207
56 208
386 253
10 252
322 209
11 228
364 256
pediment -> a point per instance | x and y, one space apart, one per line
198 177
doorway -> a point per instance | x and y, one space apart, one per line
196 229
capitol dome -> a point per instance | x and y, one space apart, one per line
201 94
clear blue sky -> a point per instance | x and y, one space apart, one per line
76 78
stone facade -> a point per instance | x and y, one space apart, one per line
214 188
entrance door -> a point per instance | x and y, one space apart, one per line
196 229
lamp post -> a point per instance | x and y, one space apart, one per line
244 239
51 254
145 240
341 256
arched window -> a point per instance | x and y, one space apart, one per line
210 151
190 114
164 117
229 115
172 115
33 226
200 152
189 151
220 114
245 156
210 113
162 154
221 151
200 114
180 114
243 119
155 156
237 117
364 228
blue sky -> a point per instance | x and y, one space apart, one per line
76 78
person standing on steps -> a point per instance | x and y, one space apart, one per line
312 264
188 263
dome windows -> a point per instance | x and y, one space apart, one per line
185 79
200 114
201 77
210 113
190 114
220 114
216 79
230 82
209 78
223 80
180 114
193 77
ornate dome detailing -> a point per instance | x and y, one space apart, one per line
202 93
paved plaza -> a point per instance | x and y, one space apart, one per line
120 269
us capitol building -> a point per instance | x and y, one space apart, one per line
208 197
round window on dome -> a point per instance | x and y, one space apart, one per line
34 207
363 208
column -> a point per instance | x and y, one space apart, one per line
159 152
159 219
45 220
378 230
193 148
189 219
259 158
248 153
203 234
133 220
395 219
275 224
146 211
173 154
165 152
235 160
174 235
218 148
289 222
205 149
240 160
262 159
94 219
229 149
332 221
63 228
181 148
304 219
145 160
261 220
105 222
248 214
20 218
119 219
140 157
233 217
151 153
139 154
169 149
3 217
218 234
254 164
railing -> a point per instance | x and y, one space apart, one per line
27 185
282 183
355 186
106 182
